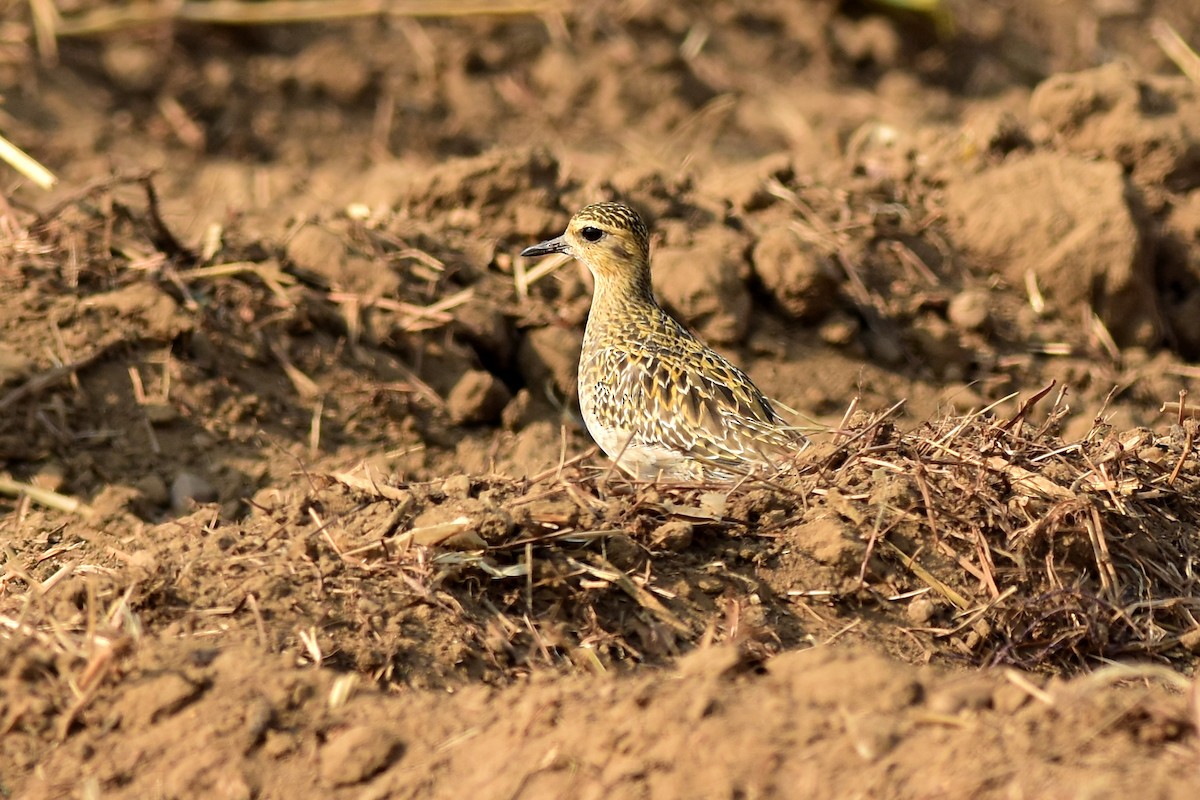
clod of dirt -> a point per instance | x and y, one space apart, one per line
940 346
557 512
489 522
674 535
872 40
1066 221
519 412
830 542
457 486
705 283
114 500
153 490
504 178
318 251
359 753
535 221
14 365
328 66
1191 640
920 610
1179 268
187 489
157 311
536 449
622 551
839 330
969 693
484 327
796 274
874 682
1151 125
158 698
550 355
322 253
969 310
478 397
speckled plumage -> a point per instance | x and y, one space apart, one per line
653 397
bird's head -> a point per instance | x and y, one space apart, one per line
610 239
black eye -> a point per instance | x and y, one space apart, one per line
591 234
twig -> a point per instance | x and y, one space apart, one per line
50 377
162 236
607 572
928 578
270 274
1027 406
1183 456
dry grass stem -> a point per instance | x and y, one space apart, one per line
25 164
1176 49
107 20
45 497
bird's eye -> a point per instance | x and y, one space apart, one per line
591 234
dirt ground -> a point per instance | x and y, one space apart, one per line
294 497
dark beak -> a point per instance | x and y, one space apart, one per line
556 245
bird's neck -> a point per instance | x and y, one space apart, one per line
627 296
622 286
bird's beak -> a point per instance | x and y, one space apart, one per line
556 245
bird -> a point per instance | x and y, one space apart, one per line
657 400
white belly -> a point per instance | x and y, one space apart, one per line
643 461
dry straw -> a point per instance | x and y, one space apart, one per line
1043 554
1072 552
107 19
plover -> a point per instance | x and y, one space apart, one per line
654 397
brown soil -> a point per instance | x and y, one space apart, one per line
325 523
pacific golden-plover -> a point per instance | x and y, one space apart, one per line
656 400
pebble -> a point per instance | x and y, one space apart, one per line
133 66
839 329
920 610
969 310
14 365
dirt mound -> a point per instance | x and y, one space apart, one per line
296 501
803 722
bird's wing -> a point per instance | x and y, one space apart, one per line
703 407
